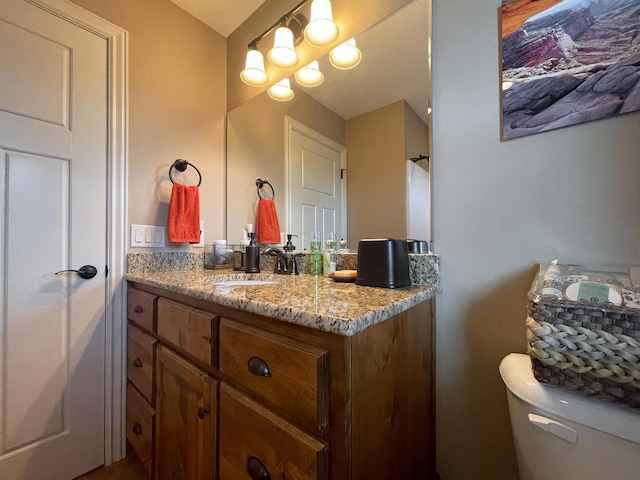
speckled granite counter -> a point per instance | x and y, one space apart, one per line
317 302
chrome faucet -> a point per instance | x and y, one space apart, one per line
283 267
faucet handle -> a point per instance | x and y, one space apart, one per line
294 264
279 268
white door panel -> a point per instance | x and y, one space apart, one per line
316 193
53 131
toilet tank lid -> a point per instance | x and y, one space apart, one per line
517 375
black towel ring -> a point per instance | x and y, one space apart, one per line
261 183
181 165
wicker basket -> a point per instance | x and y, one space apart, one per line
591 349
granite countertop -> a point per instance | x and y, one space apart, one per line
317 302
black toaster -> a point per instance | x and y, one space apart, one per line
383 262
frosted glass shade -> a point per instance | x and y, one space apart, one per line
253 73
310 76
321 30
281 91
283 54
345 55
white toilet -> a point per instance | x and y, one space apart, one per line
561 435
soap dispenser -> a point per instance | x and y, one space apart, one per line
289 247
252 254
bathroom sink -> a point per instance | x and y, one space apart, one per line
235 283
245 279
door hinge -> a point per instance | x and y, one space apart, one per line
342 172
106 270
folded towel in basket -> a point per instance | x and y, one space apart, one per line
267 226
184 214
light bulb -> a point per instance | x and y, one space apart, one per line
281 91
310 76
345 55
321 30
253 73
283 54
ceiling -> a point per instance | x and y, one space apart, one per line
394 62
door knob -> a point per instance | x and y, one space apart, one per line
85 272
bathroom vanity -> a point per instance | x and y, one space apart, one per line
302 378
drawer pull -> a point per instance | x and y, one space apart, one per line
136 429
138 309
256 470
202 412
258 367
137 362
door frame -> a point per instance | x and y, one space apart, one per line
291 125
117 151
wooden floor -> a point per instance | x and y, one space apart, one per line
129 468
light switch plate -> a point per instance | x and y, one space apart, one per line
147 236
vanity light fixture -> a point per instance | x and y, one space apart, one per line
321 30
283 54
310 75
346 55
253 73
281 91
290 30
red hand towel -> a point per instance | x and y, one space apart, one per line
184 214
267 226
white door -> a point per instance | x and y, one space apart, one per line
53 114
316 184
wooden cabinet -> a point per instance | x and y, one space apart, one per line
193 331
140 377
140 427
286 375
141 308
256 443
141 361
186 419
240 395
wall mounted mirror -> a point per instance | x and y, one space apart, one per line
379 112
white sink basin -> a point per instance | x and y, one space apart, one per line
234 283
245 279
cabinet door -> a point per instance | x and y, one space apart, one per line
186 406
193 331
255 443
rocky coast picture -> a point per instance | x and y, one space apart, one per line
566 62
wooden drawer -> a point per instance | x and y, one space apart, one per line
141 361
288 376
256 443
140 308
194 331
140 427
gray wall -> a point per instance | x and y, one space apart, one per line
501 207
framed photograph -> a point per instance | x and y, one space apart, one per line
566 62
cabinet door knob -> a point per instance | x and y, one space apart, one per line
202 412
138 308
137 362
258 367
256 470
136 429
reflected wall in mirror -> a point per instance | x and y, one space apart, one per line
378 111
